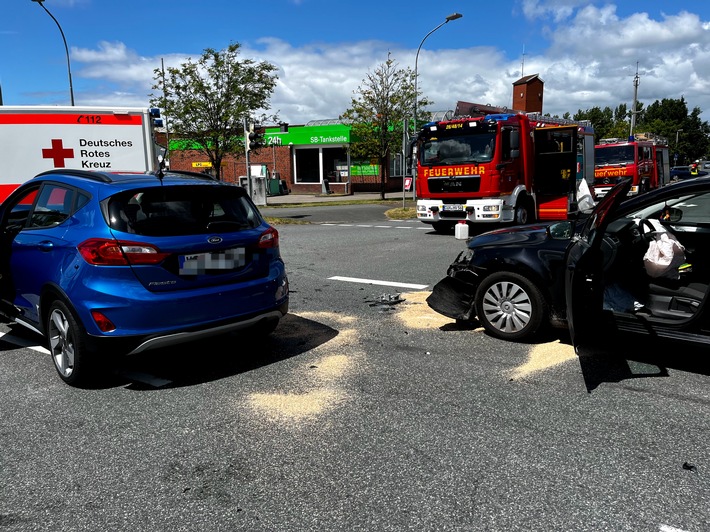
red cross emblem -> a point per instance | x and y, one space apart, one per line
58 153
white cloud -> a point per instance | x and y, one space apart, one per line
591 61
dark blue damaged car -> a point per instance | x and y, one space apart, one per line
594 274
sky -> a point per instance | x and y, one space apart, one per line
586 52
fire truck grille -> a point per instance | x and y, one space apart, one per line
454 184
608 180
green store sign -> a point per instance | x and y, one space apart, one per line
337 134
309 135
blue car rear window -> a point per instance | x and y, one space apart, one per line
182 210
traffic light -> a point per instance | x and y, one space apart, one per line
154 113
256 140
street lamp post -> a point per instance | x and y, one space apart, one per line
66 49
676 146
451 17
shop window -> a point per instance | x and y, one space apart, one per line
307 166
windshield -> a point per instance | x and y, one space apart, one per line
458 150
614 155
693 208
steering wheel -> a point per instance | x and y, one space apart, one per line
646 227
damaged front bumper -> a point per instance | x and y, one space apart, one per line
454 298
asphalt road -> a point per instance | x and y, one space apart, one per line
363 411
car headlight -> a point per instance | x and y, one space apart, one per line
465 256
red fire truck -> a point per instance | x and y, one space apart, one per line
643 157
502 167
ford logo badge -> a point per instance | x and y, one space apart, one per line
214 239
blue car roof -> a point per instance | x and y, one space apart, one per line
110 183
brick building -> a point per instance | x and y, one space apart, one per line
303 157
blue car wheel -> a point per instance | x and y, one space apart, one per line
67 344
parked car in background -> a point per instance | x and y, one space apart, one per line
597 274
679 173
104 262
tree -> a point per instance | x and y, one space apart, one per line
602 120
207 101
670 119
383 102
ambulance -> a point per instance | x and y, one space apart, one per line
34 139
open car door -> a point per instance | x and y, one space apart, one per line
584 290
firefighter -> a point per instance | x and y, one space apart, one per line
694 168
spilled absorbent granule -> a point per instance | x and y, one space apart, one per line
325 375
544 356
332 367
295 406
416 314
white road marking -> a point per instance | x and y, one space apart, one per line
374 226
666 528
382 283
21 342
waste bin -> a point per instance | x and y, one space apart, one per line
274 187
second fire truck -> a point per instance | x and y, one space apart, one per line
644 158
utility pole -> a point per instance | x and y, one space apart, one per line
405 128
167 127
633 109
247 130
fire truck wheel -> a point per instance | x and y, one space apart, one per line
510 306
523 212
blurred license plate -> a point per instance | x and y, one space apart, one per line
229 259
452 207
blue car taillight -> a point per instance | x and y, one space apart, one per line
269 238
108 252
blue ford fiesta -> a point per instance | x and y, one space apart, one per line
123 263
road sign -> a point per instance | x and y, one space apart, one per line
206 164
407 184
